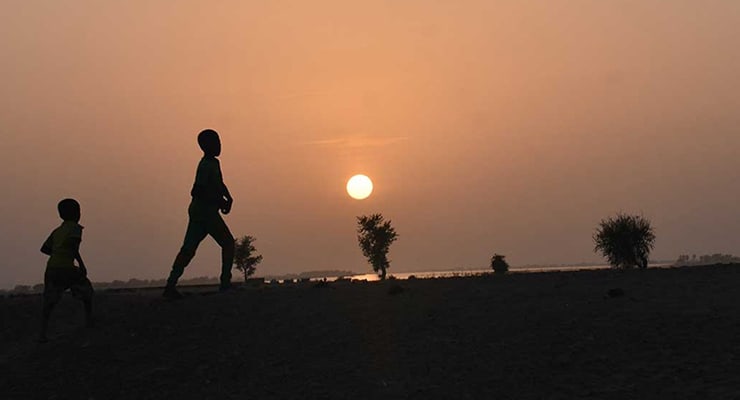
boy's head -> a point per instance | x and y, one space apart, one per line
69 210
210 143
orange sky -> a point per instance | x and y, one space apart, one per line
487 126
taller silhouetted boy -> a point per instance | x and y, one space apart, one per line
209 196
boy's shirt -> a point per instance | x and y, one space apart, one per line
64 243
208 187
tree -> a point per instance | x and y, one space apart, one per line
625 240
244 258
498 264
375 237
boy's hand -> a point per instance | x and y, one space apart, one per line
81 264
226 206
46 248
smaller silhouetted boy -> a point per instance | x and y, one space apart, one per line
210 196
63 249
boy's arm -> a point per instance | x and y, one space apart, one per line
73 242
225 194
227 200
47 246
78 257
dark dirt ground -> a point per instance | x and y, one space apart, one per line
673 334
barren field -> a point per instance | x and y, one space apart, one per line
666 333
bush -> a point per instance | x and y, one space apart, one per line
498 264
625 240
22 289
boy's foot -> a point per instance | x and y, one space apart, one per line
171 293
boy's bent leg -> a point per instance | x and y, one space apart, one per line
52 294
221 233
83 290
196 232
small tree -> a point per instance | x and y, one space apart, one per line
244 258
625 240
375 237
498 264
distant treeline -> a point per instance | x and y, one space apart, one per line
131 283
707 259
201 280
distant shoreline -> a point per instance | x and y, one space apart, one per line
135 283
330 276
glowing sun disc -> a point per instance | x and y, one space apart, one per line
359 187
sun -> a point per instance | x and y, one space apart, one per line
359 187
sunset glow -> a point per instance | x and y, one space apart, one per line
496 122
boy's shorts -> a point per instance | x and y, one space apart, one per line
57 280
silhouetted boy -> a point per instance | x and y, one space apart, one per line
209 196
63 248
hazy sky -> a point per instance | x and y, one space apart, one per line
507 126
